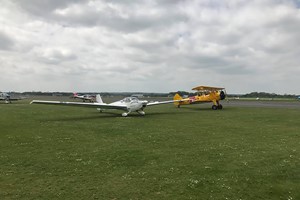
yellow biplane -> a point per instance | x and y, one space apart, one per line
205 94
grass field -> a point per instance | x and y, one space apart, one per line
55 152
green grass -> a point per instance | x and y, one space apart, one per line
55 152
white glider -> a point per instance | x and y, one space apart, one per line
128 104
7 98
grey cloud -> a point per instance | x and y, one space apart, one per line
6 43
119 18
43 7
115 15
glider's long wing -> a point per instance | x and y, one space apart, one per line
161 102
94 105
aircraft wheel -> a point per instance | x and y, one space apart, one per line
214 107
220 107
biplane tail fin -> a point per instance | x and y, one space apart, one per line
177 99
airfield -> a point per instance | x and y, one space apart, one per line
248 150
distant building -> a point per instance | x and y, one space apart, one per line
57 94
137 95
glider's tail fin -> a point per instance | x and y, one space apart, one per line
177 99
98 98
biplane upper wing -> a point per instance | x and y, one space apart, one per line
95 105
207 88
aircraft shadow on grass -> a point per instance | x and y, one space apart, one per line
196 108
107 115
111 114
86 117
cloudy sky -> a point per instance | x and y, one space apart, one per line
150 45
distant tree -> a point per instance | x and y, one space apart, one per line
181 93
267 95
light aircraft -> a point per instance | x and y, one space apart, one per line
205 94
84 97
128 104
7 98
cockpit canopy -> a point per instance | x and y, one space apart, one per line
3 94
129 99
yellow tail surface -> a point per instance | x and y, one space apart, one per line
176 98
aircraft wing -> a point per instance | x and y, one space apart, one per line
161 102
207 88
94 105
9 99
14 99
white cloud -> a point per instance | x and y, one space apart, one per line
150 45
55 55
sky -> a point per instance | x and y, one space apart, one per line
150 45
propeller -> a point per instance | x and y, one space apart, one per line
222 95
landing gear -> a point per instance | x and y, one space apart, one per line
216 107
141 112
7 100
125 114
